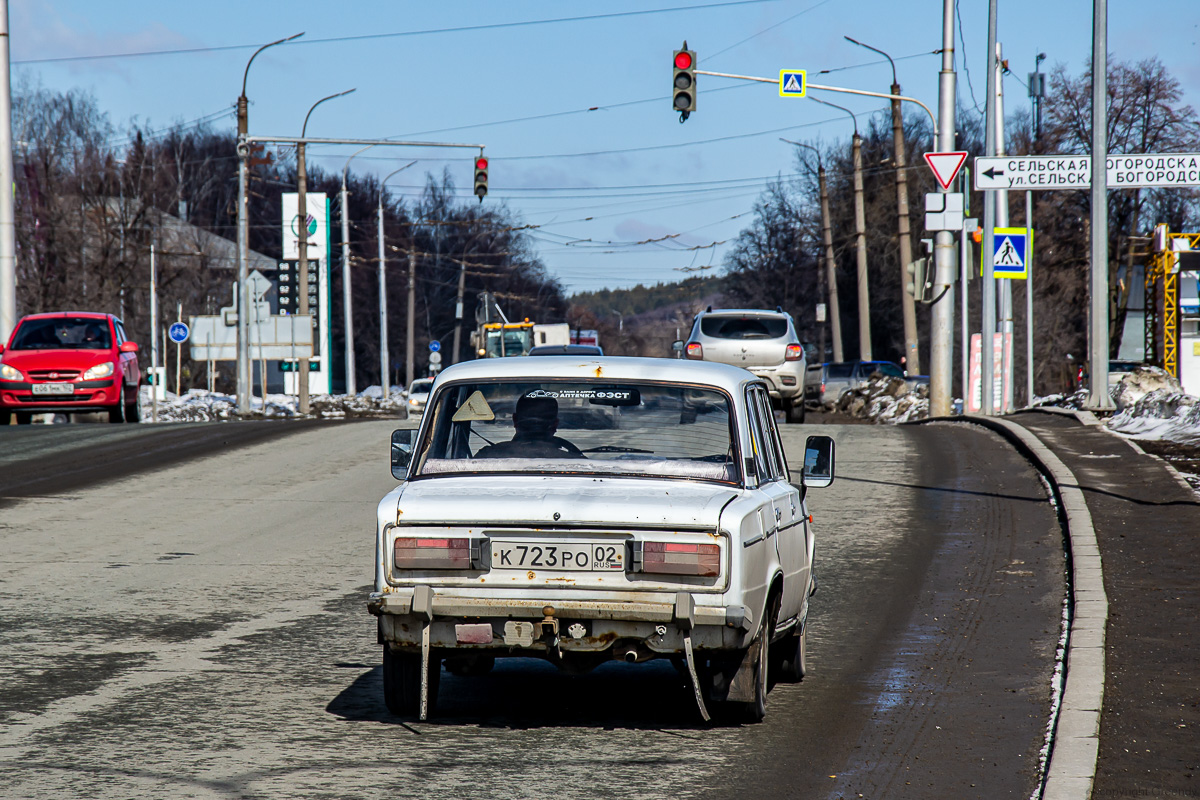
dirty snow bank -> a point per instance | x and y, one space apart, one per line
885 401
199 405
1152 405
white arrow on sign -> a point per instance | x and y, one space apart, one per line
945 166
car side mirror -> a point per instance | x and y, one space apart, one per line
129 347
818 462
677 345
402 445
1 348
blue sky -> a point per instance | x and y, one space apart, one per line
604 160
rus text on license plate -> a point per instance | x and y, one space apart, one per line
574 556
54 388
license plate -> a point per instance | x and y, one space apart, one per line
569 556
54 388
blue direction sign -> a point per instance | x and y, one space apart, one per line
178 332
1010 248
434 346
793 82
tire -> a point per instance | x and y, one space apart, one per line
117 412
402 682
469 666
756 710
133 411
796 412
789 663
24 417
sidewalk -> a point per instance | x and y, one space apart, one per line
1148 530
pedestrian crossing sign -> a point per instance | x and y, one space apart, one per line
793 82
1010 250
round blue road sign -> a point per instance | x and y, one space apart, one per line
434 346
178 332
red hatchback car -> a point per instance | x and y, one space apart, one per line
73 361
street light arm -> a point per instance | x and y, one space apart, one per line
840 108
351 158
809 146
304 130
246 74
388 177
877 50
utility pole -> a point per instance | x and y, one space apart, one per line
8 231
1098 397
912 363
833 312
158 379
243 238
458 307
411 334
1004 286
384 368
988 307
941 335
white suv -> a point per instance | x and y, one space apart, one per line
764 342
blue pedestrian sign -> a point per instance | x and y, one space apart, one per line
434 346
178 332
793 82
1010 248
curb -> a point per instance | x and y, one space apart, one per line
1075 747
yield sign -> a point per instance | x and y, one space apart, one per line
945 166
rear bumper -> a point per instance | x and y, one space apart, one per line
785 381
577 625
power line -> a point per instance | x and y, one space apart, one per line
393 35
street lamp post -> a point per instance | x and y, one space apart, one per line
384 367
348 325
835 315
908 304
302 225
243 243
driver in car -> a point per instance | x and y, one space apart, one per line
535 420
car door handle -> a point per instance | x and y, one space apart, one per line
778 514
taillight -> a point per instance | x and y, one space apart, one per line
694 350
434 553
676 558
794 353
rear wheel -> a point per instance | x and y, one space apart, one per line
795 411
402 682
133 411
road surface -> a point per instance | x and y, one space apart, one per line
192 623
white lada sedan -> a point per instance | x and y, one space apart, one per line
583 510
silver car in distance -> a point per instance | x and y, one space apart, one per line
597 509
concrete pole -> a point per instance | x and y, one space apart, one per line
351 378
1029 300
411 334
178 348
965 266
243 258
941 337
988 307
835 315
302 270
8 228
154 333
911 351
1098 397
384 367
860 248
1004 285
458 308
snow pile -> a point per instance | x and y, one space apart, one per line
1151 405
199 405
885 400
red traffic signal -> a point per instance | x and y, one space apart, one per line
683 97
481 177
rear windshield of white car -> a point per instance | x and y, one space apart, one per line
63 333
743 327
611 429
420 387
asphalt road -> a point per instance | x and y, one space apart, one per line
192 624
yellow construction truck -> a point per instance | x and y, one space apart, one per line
496 337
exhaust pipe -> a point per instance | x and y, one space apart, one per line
631 655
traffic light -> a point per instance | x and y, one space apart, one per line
481 169
920 286
684 92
